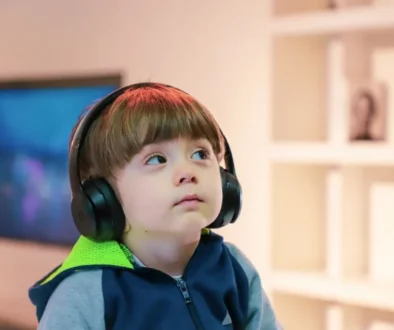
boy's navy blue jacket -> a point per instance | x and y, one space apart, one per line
100 286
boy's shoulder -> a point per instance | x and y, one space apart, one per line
243 261
81 298
240 257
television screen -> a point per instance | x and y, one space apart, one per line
36 120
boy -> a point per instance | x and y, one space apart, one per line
157 150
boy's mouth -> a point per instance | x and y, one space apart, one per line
189 199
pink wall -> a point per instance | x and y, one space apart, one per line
214 51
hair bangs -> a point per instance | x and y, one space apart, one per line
144 116
170 122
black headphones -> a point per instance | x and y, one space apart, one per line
97 213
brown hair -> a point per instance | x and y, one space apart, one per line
148 114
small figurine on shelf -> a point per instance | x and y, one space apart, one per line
338 4
368 113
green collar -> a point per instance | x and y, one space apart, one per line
89 253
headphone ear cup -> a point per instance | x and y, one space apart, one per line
232 200
97 213
82 211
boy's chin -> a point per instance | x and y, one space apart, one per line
190 226
194 222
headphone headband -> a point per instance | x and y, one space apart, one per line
86 122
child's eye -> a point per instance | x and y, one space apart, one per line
156 159
200 154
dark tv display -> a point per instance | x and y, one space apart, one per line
36 118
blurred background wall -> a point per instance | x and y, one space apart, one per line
302 90
214 51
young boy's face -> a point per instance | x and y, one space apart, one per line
172 187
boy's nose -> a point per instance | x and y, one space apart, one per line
185 175
187 178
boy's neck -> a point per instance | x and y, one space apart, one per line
169 254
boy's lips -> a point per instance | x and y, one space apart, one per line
189 199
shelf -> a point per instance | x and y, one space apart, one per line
335 21
362 293
363 154
323 258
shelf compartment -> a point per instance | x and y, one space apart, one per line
356 227
299 84
295 312
285 7
298 218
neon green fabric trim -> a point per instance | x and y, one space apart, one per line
88 253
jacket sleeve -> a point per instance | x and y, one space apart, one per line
261 315
77 304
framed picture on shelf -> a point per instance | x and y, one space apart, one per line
368 112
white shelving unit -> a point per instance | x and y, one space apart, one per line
325 22
318 268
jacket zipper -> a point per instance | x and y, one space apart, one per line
181 284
